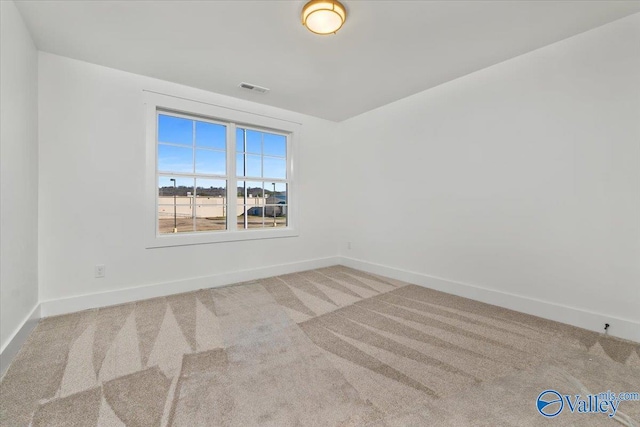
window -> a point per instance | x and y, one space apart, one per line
192 174
261 168
218 174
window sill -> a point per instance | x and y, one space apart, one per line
186 239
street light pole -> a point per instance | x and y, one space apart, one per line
175 216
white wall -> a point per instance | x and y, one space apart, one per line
19 173
527 176
92 144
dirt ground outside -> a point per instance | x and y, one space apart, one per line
189 225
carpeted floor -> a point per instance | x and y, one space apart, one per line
333 346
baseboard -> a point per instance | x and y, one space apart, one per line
622 328
121 296
13 344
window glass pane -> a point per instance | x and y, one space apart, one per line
211 135
240 207
175 130
255 193
175 212
277 195
211 162
241 218
250 218
254 141
240 193
275 168
275 145
240 164
210 205
175 159
181 223
275 215
211 188
183 189
249 192
254 166
240 140
244 219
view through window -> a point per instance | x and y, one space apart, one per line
261 167
195 186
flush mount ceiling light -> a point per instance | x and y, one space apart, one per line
323 16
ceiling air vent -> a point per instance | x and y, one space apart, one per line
254 88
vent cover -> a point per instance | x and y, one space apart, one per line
254 88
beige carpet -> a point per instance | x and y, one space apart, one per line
333 346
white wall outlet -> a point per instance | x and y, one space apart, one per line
348 245
99 270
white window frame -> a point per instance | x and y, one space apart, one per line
154 103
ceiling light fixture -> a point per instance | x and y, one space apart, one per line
323 16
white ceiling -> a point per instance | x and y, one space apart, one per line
387 50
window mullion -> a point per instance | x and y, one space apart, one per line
232 179
244 173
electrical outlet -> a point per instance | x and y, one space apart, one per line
99 270
348 245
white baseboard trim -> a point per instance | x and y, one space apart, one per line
14 343
622 328
121 296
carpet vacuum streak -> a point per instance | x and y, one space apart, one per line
328 347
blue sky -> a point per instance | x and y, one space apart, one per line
210 143
263 151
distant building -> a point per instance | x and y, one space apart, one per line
271 211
